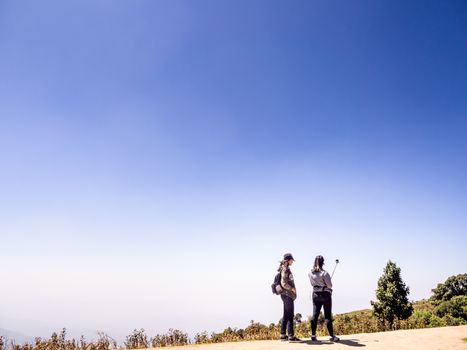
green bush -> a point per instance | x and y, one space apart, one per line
436 321
452 321
420 319
455 307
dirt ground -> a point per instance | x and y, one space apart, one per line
430 339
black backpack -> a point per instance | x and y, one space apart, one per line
277 282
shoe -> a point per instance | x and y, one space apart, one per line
294 339
283 337
313 338
334 339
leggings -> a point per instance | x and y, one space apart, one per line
287 320
322 299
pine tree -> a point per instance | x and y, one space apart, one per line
392 297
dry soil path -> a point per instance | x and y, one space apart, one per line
430 338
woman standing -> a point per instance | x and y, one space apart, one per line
322 291
288 295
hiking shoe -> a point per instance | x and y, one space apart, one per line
283 337
313 338
294 339
334 339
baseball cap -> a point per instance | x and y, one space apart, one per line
288 256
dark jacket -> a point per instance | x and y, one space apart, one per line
287 282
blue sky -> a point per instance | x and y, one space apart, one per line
159 157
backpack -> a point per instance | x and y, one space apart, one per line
276 285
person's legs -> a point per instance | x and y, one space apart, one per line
284 320
287 319
327 305
317 303
290 316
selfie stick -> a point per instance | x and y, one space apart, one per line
337 262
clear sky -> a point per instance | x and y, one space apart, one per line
159 157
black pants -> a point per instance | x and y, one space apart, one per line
287 319
322 299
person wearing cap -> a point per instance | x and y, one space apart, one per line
322 297
288 295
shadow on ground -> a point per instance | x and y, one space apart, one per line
348 342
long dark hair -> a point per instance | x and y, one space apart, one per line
283 263
318 265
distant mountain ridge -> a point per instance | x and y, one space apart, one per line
16 336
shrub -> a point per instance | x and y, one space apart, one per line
455 307
174 337
257 331
137 340
420 319
436 321
202 338
452 321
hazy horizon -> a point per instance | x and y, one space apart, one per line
159 157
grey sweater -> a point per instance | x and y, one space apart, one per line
321 281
